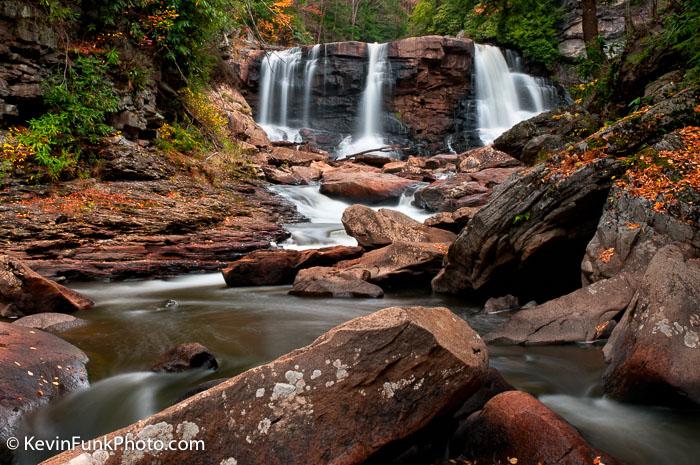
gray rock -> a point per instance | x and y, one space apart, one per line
51 322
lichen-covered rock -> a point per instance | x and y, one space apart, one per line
379 228
32 378
514 427
531 235
653 354
361 386
25 292
576 317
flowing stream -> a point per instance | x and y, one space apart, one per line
134 322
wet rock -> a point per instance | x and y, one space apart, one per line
631 231
515 425
51 322
537 218
462 190
379 228
359 387
186 357
582 315
503 303
282 176
654 352
560 126
363 186
333 282
33 378
280 266
25 292
452 221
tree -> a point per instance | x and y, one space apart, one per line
590 25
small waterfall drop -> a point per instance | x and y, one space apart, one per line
309 72
370 132
506 95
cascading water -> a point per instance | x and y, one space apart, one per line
277 84
309 72
506 95
369 135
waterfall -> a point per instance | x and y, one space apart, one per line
309 72
278 82
369 132
506 95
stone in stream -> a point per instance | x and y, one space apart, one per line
25 292
514 427
501 304
374 229
579 316
333 282
653 354
280 266
530 237
363 385
184 357
51 322
35 367
362 185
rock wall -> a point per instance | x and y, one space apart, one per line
431 78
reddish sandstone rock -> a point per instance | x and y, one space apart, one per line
291 157
515 425
452 221
32 378
186 357
24 292
333 282
363 186
280 266
484 158
361 386
379 228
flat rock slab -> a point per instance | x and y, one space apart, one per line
363 186
35 368
362 385
25 292
51 322
575 317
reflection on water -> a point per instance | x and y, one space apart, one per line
133 323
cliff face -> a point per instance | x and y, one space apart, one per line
430 79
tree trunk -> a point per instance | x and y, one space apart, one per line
590 24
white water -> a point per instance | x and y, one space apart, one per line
370 132
505 95
324 213
309 73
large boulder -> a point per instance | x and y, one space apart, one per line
333 282
483 158
467 189
358 388
363 186
24 292
576 317
51 322
124 160
36 368
653 354
531 140
290 157
280 266
184 357
530 238
514 427
379 228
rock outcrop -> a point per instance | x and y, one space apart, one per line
581 316
361 386
514 427
25 292
32 378
654 351
538 217
374 229
184 357
280 266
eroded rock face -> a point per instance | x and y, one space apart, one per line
576 317
654 352
363 186
127 161
379 228
184 357
537 218
280 266
24 292
32 378
514 424
363 385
